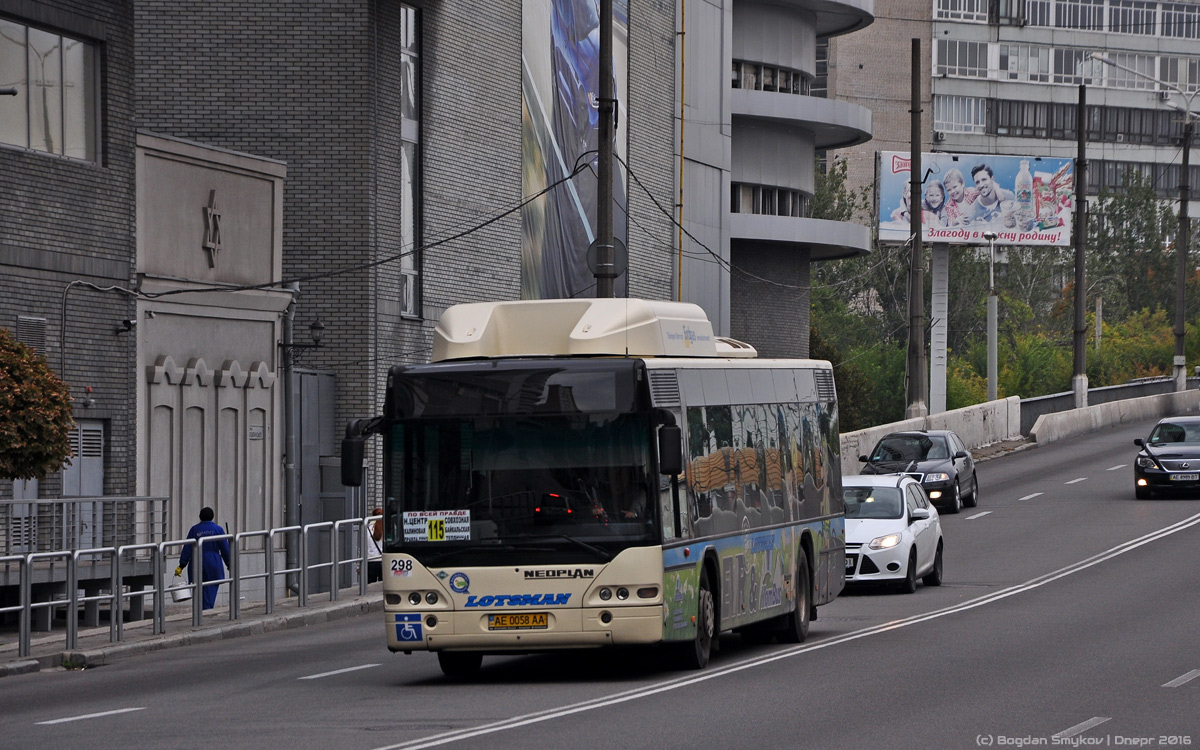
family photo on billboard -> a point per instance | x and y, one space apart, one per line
1024 200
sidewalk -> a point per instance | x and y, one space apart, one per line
48 650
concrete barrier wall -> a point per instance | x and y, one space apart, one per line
995 421
978 425
1068 424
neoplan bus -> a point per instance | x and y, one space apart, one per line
588 473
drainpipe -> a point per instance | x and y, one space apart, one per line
291 449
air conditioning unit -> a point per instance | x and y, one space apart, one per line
939 136
1164 95
1120 137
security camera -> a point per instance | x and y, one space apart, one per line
125 325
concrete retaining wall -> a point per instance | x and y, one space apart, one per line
1067 424
978 425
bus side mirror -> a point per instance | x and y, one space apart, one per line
670 449
353 452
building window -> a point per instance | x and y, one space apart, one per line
55 108
1183 72
1019 118
961 58
410 152
1181 21
959 114
1076 66
1024 62
753 76
766 200
1080 14
1133 17
961 10
1118 78
1037 13
820 84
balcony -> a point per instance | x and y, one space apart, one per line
824 239
833 123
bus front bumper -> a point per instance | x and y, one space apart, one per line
563 628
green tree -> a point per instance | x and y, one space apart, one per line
35 413
853 390
1131 254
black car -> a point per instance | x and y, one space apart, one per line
1169 461
936 458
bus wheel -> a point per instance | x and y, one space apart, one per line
459 664
695 654
796 622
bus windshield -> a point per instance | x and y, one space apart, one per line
522 486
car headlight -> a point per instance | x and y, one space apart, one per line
937 476
1145 462
884 542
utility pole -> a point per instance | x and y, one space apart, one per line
1181 254
605 253
917 405
1079 381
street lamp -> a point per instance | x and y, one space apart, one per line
1181 237
991 316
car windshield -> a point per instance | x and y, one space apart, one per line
911 448
1172 432
873 502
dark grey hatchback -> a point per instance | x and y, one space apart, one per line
1169 461
938 459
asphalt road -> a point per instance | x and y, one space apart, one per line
1068 617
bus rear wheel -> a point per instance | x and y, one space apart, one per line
459 664
696 653
796 622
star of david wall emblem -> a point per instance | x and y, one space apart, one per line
212 229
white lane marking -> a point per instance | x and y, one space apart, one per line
92 716
682 682
1081 728
1118 466
1030 497
978 515
1183 679
337 671
1074 481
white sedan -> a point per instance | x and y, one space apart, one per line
892 532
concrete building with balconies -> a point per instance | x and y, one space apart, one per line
750 145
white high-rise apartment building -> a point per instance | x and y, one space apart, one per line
1003 77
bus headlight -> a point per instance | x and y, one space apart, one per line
605 594
414 598
431 598
622 593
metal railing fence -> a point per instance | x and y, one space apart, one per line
71 523
115 594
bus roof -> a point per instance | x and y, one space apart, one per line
580 327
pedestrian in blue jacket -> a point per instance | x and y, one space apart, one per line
214 553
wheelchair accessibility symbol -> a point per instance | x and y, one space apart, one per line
408 627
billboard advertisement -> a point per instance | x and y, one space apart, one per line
1025 200
560 121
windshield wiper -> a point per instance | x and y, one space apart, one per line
603 554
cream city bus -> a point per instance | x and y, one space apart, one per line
607 472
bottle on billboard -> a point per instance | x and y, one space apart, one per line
1023 188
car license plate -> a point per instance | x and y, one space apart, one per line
521 621
850 560
1185 477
